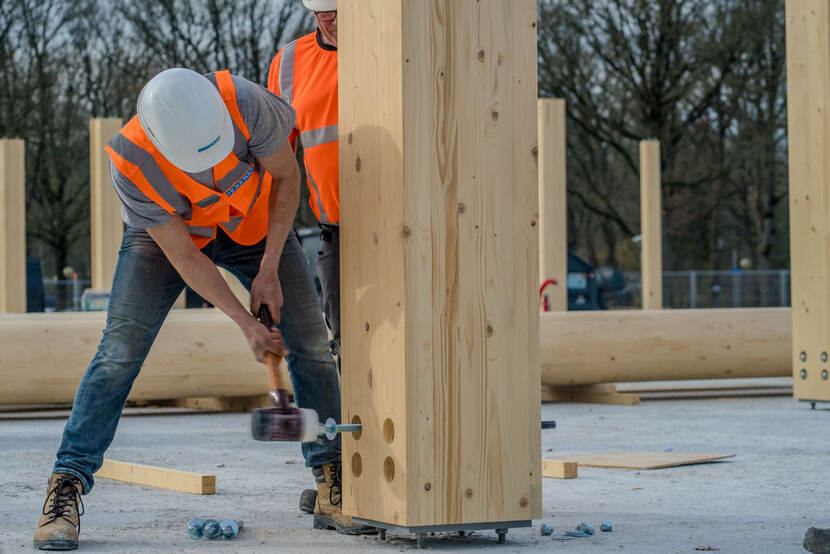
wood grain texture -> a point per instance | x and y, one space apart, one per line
651 225
643 460
197 353
553 200
105 225
159 477
439 275
599 347
559 469
808 126
12 226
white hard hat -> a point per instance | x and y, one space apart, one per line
185 118
321 5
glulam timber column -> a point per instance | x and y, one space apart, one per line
12 226
439 202
106 228
651 225
553 200
808 126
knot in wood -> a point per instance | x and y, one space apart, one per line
481 56
357 164
427 486
468 493
524 502
461 208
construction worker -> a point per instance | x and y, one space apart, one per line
206 178
304 73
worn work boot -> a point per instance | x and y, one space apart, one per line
328 512
817 541
60 521
308 499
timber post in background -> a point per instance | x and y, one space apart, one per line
440 275
12 226
651 260
553 198
105 227
808 126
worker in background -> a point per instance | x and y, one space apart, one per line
206 178
304 73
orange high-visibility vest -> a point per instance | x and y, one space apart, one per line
239 203
304 74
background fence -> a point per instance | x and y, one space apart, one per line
716 289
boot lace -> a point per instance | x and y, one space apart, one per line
62 502
336 487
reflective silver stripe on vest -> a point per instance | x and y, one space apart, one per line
209 201
152 172
231 225
324 218
201 231
233 176
316 137
286 75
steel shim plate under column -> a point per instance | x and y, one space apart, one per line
808 122
12 226
105 226
439 272
651 225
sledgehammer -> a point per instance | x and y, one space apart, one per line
282 422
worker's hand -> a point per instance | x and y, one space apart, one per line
266 290
262 339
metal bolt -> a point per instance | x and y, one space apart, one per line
824 357
824 374
803 356
803 373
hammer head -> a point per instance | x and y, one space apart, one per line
278 424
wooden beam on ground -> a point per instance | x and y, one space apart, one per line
159 477
643 460
589 394
559 469
12 226
440 274
553 196
581 348
198 353
808 114
651 226
105 225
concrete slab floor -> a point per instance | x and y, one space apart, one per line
761 501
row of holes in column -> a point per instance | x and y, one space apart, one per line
388 463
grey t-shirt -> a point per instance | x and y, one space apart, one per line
269 119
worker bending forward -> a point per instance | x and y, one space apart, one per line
207 178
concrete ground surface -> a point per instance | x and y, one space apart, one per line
762 500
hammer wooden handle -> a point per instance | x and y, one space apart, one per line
271 359
274 373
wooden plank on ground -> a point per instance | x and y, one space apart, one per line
643 460
559 469
162 478
591 394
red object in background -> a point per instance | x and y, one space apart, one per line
544 297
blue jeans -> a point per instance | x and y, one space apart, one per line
144 289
